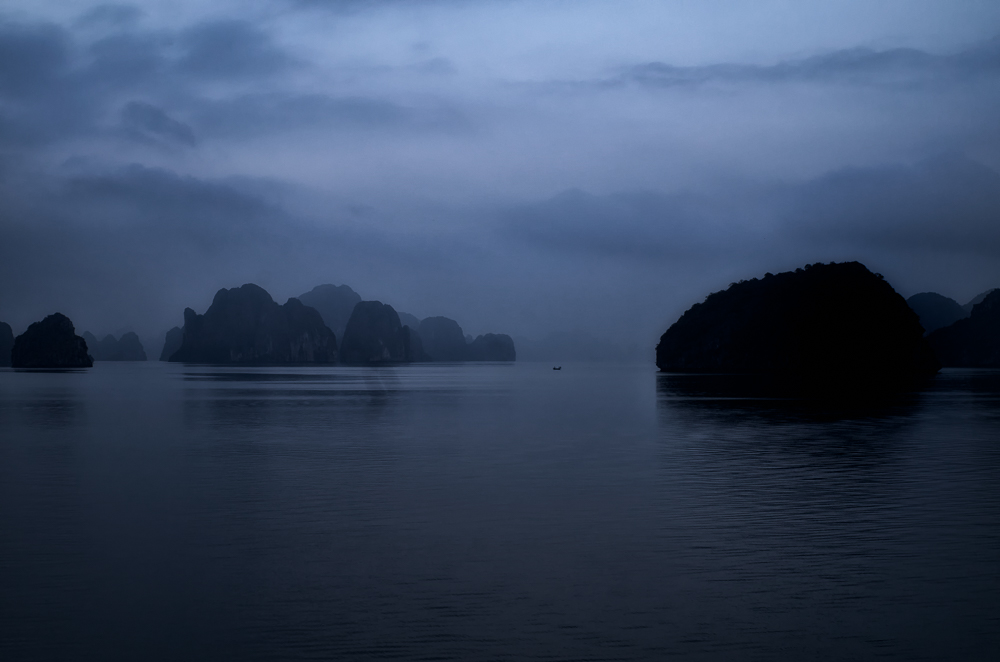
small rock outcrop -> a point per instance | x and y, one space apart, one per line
6 343
335 303
492 347
172 342
51 343
127 348
443 339
244 325
837 326
973 342
374 335
936 311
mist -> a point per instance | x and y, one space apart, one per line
523 168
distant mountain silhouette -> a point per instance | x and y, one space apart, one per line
935 311
172 342
245 325
830 326
128 348
443 339
6 343
335 304
973 342
978 299
492 347
51 343
406 319
374 335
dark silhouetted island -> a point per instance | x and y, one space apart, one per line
172 342
492 347
245 325
836 326
973 342
443 339
936 311
6 343
374 335
51 343
127 348
335 303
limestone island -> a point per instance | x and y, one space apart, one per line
245 325
973 342
51 343
837 328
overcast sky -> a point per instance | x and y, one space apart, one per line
522 167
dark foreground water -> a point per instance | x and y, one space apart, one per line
488 512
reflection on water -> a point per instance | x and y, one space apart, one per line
487 512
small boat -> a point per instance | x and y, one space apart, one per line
557 367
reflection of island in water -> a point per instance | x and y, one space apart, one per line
774 398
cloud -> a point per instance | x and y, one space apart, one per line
125 61
854 65
34 56
948 204
113 14
146 121
257 114
624 226
230 49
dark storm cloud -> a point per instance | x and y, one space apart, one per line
54 88
40 99
855 65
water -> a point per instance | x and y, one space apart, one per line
491 512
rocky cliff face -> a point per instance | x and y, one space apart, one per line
245 325
828 323
51 343
172 342
335 303
973 342
6 343
443 339
936 311
492 347
375 335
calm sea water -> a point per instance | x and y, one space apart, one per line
491 512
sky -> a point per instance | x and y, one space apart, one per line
526 168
